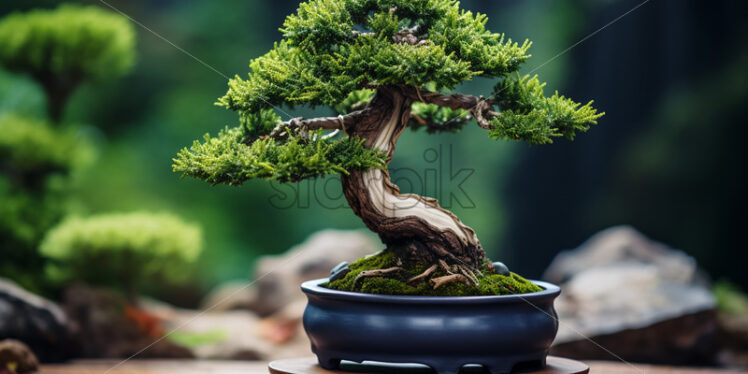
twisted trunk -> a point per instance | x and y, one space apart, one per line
403 220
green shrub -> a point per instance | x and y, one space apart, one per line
123 250
63 47
36 161
31 150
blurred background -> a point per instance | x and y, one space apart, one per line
667 159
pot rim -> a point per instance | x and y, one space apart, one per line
312 287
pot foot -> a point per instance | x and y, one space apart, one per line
447 369
328 363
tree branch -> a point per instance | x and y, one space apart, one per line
480 108
412 36
432 127
342 122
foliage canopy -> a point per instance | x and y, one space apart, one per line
337 52
77 42
31 150
119 248
36 161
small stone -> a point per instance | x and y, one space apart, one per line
501 269
339 271
17 357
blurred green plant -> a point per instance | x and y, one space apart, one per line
197 339
730 299
64 47
36 162
123 250
31 150
59 49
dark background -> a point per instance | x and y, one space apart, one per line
668 158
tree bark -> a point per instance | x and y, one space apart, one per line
403 220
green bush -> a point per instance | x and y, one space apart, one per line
63 47
36 161
124 250
31 150
72 40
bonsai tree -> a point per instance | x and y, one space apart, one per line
60 49
122 249
36 160
64 47
383 65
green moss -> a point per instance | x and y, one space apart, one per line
396 283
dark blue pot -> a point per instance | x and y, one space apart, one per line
445 333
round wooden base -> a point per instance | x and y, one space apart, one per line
308 365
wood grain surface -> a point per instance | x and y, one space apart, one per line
257 367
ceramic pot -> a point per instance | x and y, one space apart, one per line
445 333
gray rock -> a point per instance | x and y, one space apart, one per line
269 326
236 334
618 287
339 271
501 269
278 277
620 245
35 321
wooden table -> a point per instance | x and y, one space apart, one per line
256 367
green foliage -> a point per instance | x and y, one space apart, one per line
36 161
197 339
31 150
354 100
322 60
226 159
337 52
527 115
259 123
122 249
24 217
396 283
730 299
443 119
72 42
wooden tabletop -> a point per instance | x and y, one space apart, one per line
256 367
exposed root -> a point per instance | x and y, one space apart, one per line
375 273
425 274
468 274
452 278
445 266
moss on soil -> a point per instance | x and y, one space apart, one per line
396 283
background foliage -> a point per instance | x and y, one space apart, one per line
116 249
667 157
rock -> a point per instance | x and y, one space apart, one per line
278 277
501 269
734 339
262 320
618 245
339 271
106 326
35 321
635 297
235 334
17 357
237 294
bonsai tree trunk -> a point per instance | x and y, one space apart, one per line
57 91
403 220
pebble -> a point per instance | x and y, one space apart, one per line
501 269
339 271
